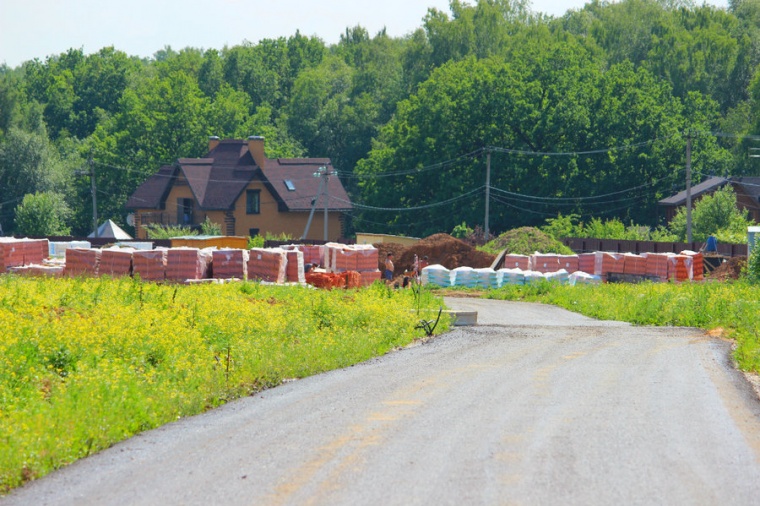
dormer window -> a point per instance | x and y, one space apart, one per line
289 185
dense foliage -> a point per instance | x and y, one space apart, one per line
85 363
584 114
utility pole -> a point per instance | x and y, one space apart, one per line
688 186
93 189
327 196
488 192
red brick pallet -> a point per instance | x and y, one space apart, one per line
540 262
267 264
517 262
82 261
294 269
634 264
187 263
150 265
115 262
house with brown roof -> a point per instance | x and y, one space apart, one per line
747 191
237 186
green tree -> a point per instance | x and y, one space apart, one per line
715 214
42 214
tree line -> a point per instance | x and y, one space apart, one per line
585 114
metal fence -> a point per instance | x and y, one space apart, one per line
587 245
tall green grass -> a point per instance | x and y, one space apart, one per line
732 307
85 363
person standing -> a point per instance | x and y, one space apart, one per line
389 267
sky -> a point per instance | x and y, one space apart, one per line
40 28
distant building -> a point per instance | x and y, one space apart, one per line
236 186
747 191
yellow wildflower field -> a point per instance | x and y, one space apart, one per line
85 363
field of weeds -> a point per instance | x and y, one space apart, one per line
85 363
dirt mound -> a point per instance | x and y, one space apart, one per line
439 248
526 241
729 269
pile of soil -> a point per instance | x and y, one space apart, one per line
439 248
730 269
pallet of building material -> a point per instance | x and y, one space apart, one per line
35 250
680 268
486 278
437 275
185 263
369 277
326 280
698 267
514 276
367 257
517 262
150 265
11 254
343 259
294 268
82 262
587 262
58 249
657 265
229 264
115 262
267 264
569 262
314 255
605 263
634 264
544 262
35 270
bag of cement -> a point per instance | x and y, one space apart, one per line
583 278
561 276
486 278
464 276
510 277
436 275
533 277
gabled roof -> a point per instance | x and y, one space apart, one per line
294 185
749 186
153 192
218 179
709 185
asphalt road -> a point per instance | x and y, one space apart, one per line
535 405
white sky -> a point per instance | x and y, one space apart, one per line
40 28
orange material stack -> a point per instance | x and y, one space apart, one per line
544 262
267 264
657 265
294 269
328 280
115 262
569 262
229 264
34 250
150 265
608 262
352 279
634 264
517 262
680 268
185 263
343 259
82 261
586 262
698 267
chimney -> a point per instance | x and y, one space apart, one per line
213 142
256 147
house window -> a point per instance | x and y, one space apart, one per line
185 211
253 201
289 185
253 232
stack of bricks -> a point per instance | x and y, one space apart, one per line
82 261
657 265
267 264
313 255
294 268
698 267
634 264
680 267
608 262
229 264
517 262
544 263
115 262
150 265
18 252
586 262
362 259
569 262
187 263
